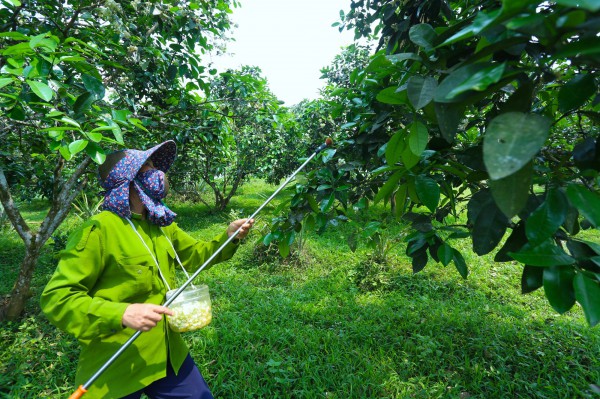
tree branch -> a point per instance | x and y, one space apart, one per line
12 211
62 202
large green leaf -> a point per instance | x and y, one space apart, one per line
389 187
586 202
511 141
394 148
587 293
449 117
422 35
547 218
456 78
592 5
481 21
5 82
461 264
391 95
420 90
545 254
401 197
576 92
95 152
428 192
77 146
94 86
558 287
417 138
488 230
489 223
511 192
480 80
445 253
42 90
83 103
515 241
531 279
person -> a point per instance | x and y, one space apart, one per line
113 275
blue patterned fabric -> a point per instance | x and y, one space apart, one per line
126 171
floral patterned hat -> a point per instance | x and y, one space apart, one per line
117 182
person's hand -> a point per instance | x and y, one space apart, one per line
144 316
246 225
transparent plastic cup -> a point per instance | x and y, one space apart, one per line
191 309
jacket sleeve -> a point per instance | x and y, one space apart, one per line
66 299
194 253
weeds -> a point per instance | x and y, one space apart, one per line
310 332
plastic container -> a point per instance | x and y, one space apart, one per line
192 309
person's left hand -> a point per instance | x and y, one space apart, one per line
245 224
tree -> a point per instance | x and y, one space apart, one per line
75 77
486 108
234 132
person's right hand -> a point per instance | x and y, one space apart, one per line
144 316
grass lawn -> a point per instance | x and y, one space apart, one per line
303 328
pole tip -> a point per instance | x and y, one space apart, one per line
328 141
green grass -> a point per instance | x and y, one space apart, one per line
303 328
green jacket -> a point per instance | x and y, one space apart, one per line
104 268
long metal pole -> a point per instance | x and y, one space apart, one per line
83 388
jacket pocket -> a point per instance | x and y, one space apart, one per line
128 280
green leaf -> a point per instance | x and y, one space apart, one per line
420 90
95 152
327 203
480 80
64 151
576 92
558 287
42 90
446 254
391 95
531 279
94 86
394 148
312 203
77 146
5 82
461 265
591 5
456 78
389 187
449 117
83 103
586 202
418 138
489 223
400 197
428 192
511 192
511 141
284 248
422 35
587 293
545 254
409 159
547 218
515 241
481 22
95 137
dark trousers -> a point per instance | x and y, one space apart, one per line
189 384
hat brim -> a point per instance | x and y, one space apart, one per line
163 155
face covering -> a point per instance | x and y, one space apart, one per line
154 183
152 187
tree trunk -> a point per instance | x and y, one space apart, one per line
64 194
15 304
